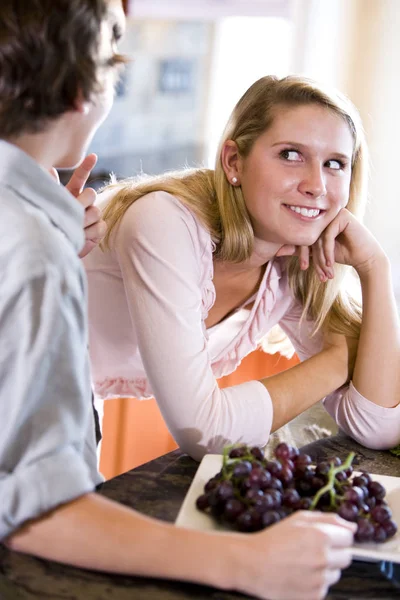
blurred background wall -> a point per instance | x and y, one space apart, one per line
192 59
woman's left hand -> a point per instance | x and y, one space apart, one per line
346 241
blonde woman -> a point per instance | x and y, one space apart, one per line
198 266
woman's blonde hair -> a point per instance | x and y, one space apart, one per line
221 207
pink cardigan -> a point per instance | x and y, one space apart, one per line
148 301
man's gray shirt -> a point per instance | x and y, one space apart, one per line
47 445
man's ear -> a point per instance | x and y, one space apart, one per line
81 105
231 162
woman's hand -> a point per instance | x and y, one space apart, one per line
346 241
299 558
94 227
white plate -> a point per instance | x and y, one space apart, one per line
189 516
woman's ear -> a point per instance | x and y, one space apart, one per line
231 162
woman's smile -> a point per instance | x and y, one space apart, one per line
305 213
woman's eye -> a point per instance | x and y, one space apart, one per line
334 164
292 155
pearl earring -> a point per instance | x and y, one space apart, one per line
234 180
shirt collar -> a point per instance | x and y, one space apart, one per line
22 174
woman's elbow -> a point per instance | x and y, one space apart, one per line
379 439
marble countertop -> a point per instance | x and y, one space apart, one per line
158 489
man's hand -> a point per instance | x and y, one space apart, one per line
94 227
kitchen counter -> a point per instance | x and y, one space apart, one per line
158 489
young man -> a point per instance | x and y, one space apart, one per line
57 74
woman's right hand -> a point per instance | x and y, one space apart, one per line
297 559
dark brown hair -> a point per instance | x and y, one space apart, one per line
49 53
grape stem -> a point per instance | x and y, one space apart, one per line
330 485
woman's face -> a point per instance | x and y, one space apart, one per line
297 176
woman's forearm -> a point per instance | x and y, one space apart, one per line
302 386
377 369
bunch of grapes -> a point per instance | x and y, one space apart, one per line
251 493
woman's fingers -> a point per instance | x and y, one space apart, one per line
320 260
304 257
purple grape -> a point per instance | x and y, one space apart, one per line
354 495
348 511
245 484
252 495
360 481
211 484
334 460
286 475
390 527
265 502
304 504
322 468
202 502
283 451
376 490
275 495
274 467
365 531
380 514
380 535
265 480
224 491
302 460
255 476
304 487
257 453
291 498
287 463
317 483
304 472
364 508
364 490
276 484
238 452
249 520
294 452
366 476
233 508
242 469
270 518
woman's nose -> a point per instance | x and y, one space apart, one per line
313 182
